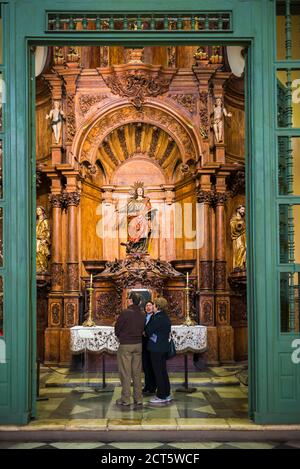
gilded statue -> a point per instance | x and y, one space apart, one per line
218 119
42 240
57 116
238 236
138 212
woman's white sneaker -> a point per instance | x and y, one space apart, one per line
169 398
157 400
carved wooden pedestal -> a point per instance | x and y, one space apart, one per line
43 283
238 301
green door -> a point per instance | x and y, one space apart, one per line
273 286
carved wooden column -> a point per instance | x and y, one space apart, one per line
222 301
206 286
204 76
71 200
55 302
70 75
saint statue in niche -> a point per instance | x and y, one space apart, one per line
56 115
138 221
218 119
238 236
42 240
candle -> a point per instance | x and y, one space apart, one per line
91 279
187 279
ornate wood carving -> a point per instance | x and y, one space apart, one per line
219 198
59 58
39 172
73 276
55 314
104 56
73 55
188 101
70 118
138 136
206 275
171 56
220 275
106 307
236 183
70 198
204 196
70 314
238 307
154 142
149 114
168 151
56 276
87 101
206 312
223 312
122 140
55 200
109 151
204 120
175 300
136 82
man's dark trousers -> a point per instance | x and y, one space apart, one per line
150 382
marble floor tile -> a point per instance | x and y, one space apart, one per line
136 445
124 424
90 424
159 424
77 445
31 445
222 401
254 445
294 444
196 424
188 445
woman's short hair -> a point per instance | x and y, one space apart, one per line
161 304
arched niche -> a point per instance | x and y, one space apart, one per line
138 168
100 124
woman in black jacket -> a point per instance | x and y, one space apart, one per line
158 330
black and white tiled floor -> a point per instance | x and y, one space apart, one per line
72 396
151 445
74 403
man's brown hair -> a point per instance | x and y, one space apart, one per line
135 298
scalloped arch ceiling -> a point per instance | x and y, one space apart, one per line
135 138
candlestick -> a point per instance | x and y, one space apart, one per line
89 322
188 321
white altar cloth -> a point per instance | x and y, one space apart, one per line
102 339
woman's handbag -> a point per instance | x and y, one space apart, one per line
172 350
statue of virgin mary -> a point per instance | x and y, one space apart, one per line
138 221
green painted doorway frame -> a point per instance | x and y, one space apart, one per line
25 26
